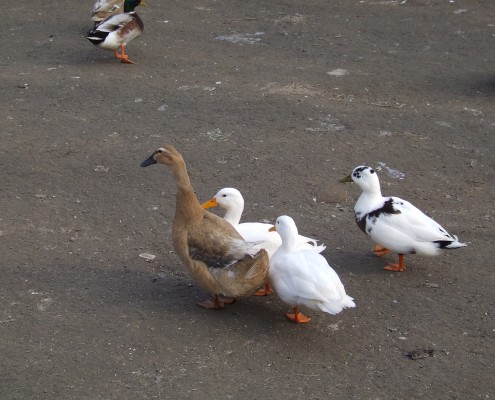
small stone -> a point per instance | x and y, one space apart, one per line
100 168
147 257
418 354
338 72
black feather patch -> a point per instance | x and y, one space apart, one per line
443 243
357 171
387 208
95 36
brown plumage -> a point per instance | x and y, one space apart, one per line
210 248
118 30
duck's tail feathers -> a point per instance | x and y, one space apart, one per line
311 244
348 302
336 307
260 266
455 244
319 248
96 36
240 248
254 247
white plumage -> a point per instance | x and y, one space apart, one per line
304 277
395 223
232 202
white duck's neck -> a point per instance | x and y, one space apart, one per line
233 215
290 240
233 211
370 197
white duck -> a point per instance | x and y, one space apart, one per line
232 202
303 277
395 223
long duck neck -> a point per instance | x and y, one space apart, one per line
290 240
187 203
369 199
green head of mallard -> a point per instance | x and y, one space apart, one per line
130 5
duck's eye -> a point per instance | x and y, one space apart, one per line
372 171
160 151
224 195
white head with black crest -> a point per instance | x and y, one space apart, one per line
366 178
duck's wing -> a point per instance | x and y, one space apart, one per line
244 277
400 217
114 22
215 242
309 276
259 232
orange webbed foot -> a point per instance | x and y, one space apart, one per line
397 267
380 251
216 302
394 267
126 60
264 292
298 317
226 300
210 304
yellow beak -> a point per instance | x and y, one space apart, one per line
348 178
210 203
272 229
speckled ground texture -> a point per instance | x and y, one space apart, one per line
279 99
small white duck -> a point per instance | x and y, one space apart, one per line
232 202
304 277
394 223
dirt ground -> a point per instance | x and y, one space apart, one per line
278 99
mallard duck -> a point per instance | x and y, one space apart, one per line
217 257
232 202
395 224
304 277
103 9
118 30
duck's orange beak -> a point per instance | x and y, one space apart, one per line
272 229
210 203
